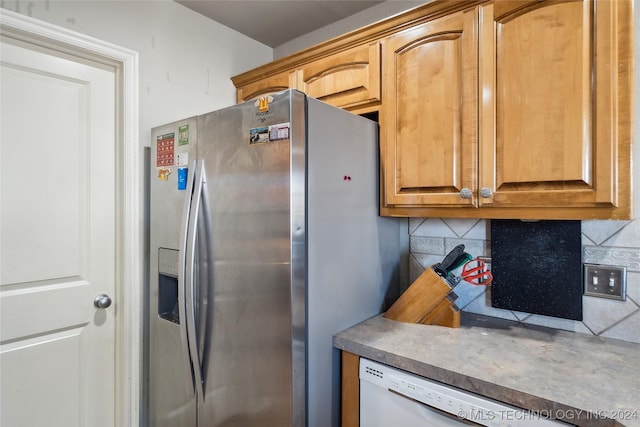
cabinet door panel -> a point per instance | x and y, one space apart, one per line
272 84
429 115
346 79
544 147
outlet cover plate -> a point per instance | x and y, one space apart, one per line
605 281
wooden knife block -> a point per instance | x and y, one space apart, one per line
426 302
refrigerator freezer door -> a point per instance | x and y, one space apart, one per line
171 397
247 357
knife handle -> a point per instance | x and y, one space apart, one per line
451 257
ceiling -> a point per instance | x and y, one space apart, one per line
274 22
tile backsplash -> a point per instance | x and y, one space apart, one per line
603 242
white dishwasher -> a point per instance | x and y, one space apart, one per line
390 397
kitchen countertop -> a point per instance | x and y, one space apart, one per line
581 379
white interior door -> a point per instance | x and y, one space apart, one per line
58 239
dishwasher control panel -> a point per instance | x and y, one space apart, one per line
461 407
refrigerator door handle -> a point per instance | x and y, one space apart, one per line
190 283
183 270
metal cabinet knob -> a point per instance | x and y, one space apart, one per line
466 193
102 301
485 192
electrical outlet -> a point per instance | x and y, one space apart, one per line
487 261
605 281
487 264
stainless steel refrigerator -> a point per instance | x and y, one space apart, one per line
265 240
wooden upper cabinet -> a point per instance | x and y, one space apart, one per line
346 79
429 116
543 68
537 126
266 86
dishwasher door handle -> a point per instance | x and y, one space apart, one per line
462 421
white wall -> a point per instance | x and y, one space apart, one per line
186 60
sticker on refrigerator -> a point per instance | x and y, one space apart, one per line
163 174
263 103
164 150
279 132
183 135
182 178
258 135
182 159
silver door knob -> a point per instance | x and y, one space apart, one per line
485 192
465 193
102 301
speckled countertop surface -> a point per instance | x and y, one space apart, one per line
581 379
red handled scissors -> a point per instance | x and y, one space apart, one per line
476 273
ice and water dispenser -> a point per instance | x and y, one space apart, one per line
168 285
